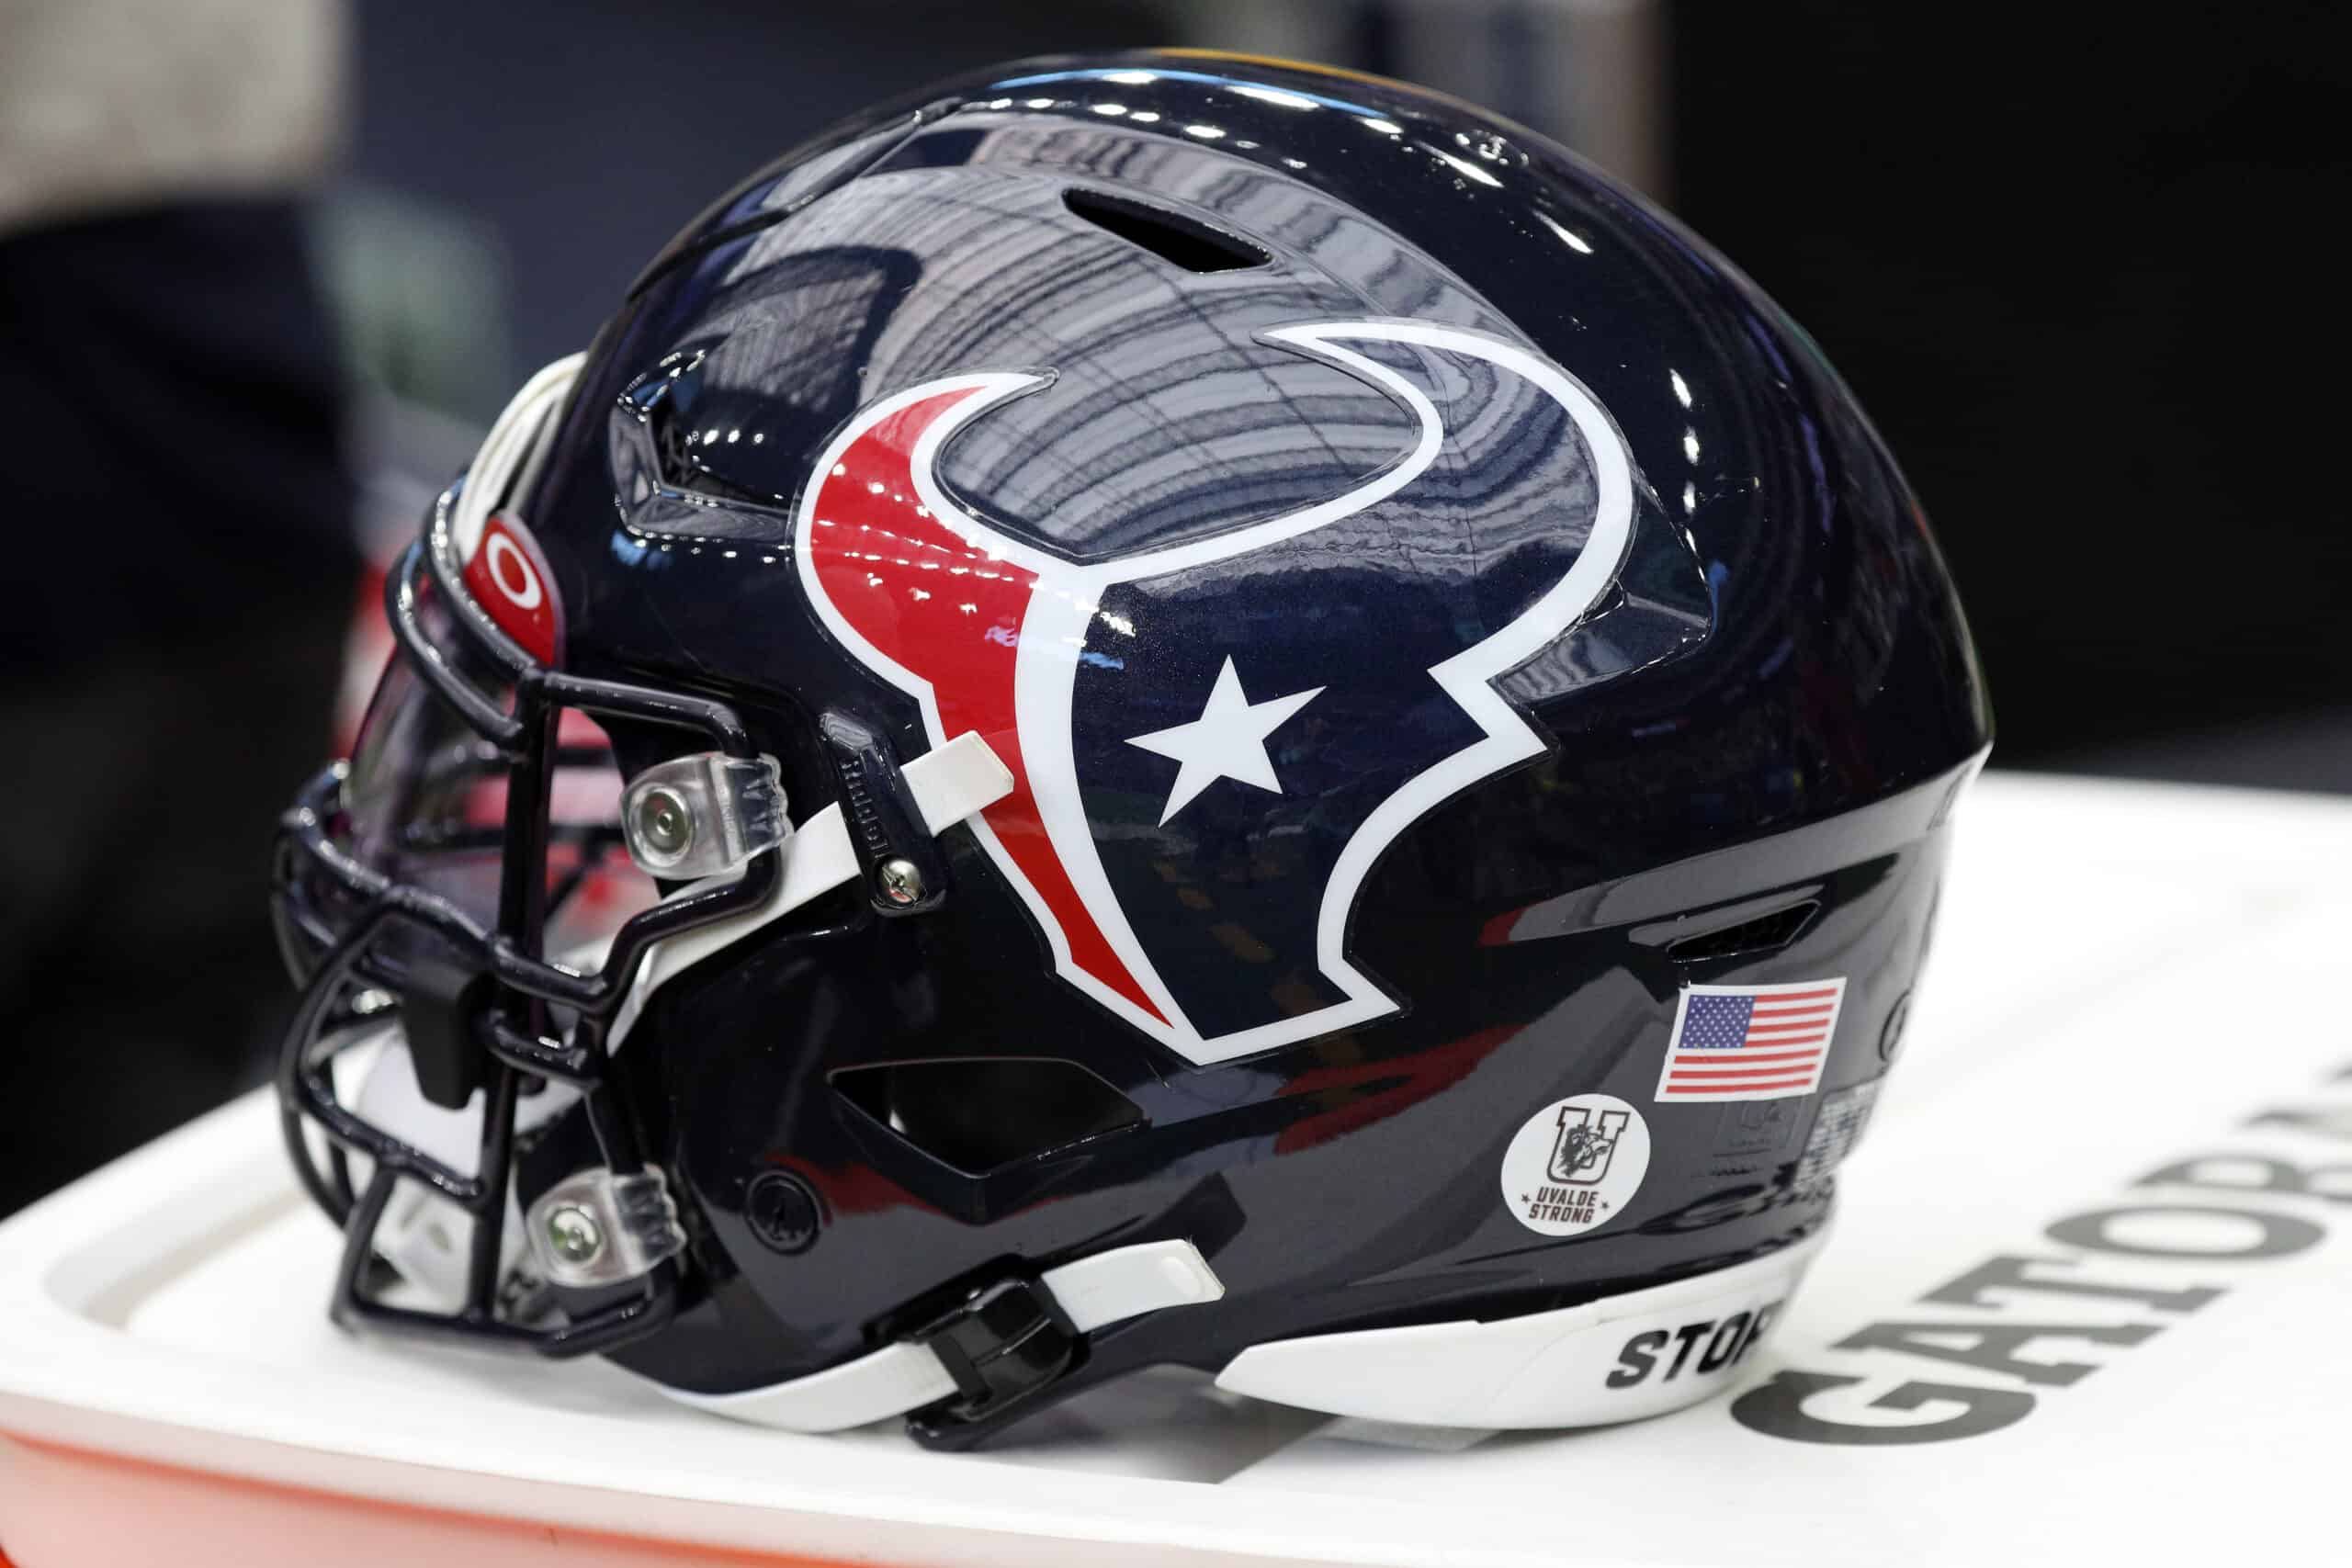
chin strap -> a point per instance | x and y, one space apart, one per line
1005 1340
948 782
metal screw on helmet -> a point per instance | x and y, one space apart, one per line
665 823
575 1235
901 883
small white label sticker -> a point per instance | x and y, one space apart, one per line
1576 1164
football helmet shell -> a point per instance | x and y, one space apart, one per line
1220 679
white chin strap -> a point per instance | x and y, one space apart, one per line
1092 1293
949 782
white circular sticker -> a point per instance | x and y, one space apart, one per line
1576 1164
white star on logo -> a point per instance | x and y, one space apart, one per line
1228 741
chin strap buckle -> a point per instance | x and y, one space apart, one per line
1007 1340
904 869
966 1372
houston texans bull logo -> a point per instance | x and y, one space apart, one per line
1214 741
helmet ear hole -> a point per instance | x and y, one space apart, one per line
980 1115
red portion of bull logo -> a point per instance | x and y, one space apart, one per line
949 614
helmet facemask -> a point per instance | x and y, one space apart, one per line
421 889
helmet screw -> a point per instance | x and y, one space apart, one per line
666 824
901 883
575 1235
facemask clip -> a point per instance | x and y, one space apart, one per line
703 816
593 1229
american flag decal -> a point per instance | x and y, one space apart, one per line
1734 1043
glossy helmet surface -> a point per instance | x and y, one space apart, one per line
1223 671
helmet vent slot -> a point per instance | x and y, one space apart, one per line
977 1114
1173 237
1764 933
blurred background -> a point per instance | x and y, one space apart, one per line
267 267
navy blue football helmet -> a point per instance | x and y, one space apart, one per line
1161 709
